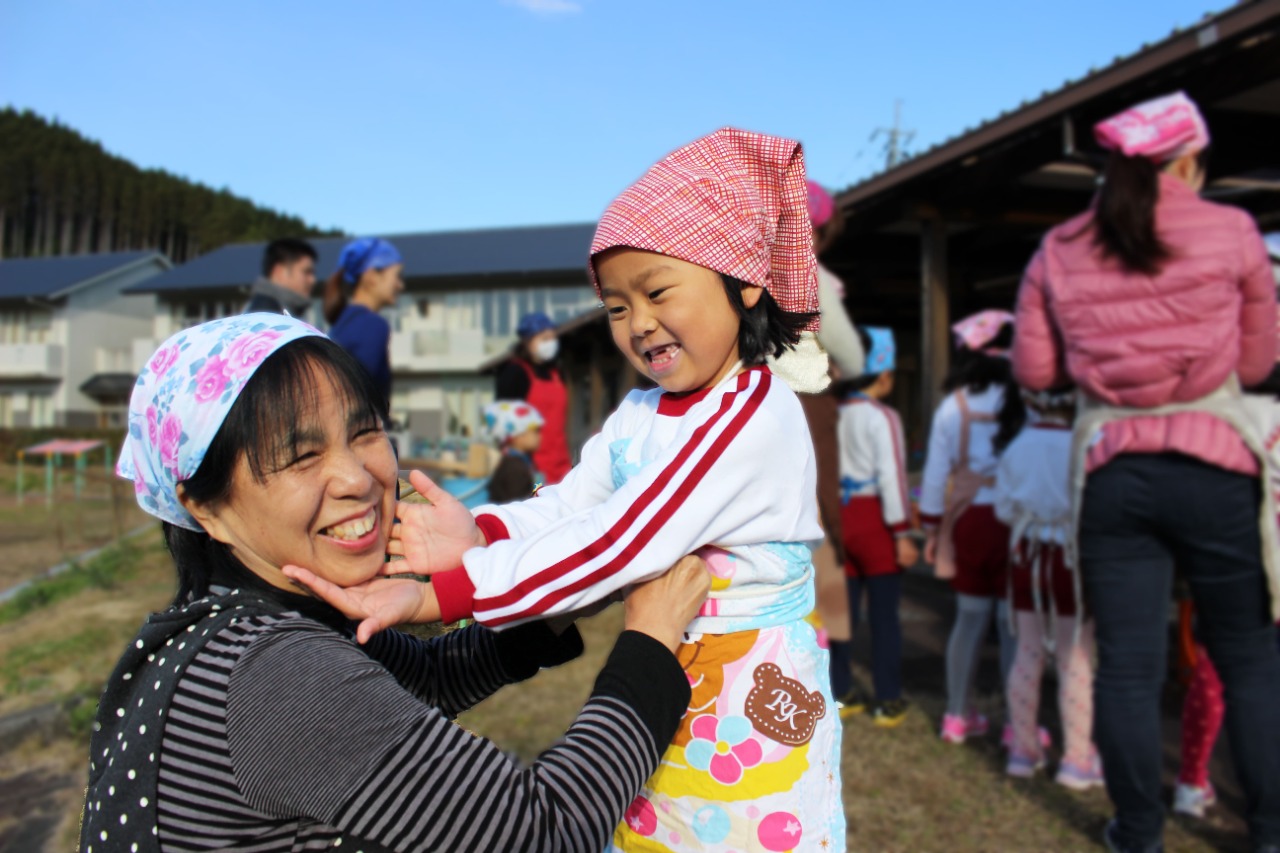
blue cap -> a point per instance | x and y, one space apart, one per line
881 356
367 253
532 324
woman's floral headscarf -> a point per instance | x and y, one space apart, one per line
183 395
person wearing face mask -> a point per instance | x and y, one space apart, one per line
531 375
367 280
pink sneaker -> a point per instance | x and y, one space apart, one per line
956 728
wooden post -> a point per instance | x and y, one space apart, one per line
935 314
20 483
48 480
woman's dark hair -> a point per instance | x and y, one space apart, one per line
1124 214
263 427
765 330
334 298
975 371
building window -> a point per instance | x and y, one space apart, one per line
42 410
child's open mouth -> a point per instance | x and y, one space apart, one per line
661 358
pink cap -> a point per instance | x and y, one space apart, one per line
1162 129
821 205
977 330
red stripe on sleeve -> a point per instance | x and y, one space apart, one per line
642 537
492 528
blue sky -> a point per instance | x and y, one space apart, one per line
391 117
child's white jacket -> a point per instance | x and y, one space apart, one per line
1033 484
943 455
873 458
667 475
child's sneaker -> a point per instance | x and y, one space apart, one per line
1192 800
1080 778
851 704
1023 766
889 713
1006 737
956 728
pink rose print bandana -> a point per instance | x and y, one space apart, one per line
182 396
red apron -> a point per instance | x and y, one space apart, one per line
551 399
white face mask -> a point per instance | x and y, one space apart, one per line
545 351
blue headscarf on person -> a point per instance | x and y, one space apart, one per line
366 253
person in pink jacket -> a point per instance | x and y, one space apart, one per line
1155 297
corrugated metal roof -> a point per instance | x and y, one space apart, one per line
50 278
441 254
1203 33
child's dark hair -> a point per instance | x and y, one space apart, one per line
262 426
863 381
976 371
765 330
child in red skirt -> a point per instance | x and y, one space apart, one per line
1033 498
875 520
966 542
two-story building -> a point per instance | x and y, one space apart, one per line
67 327
464 293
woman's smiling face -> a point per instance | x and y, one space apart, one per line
328 506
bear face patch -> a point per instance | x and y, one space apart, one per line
781 709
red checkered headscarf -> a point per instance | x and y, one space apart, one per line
734 202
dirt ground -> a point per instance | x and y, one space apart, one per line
35 536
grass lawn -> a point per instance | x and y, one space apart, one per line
904 788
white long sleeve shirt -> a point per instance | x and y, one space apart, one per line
944 449
1033 483
873 458
666 476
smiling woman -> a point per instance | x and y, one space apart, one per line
248 715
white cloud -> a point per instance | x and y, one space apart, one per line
547 7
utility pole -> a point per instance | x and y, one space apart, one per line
896 138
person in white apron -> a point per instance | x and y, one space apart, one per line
1159 306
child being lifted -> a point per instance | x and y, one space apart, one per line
706 269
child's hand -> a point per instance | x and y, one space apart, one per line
931 547
664 607
432 537
379 604
908 554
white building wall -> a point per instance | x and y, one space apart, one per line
99 324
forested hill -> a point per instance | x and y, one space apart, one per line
62 194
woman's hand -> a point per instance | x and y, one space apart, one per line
379 604
931 547
664 607
432 537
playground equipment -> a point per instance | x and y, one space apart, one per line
53 451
